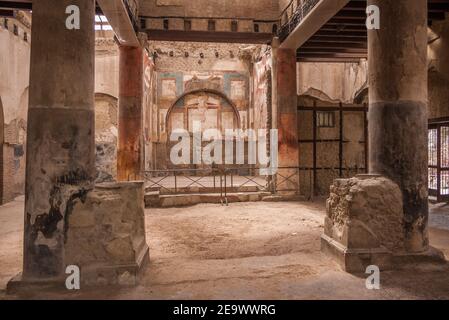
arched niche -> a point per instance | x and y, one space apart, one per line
106 135
106 113
212 108
362 96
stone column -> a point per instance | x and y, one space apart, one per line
285 114
60 139
398 109
129 156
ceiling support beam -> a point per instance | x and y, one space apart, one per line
120 21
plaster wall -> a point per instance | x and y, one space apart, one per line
106 106
438 70
260 9
328 85
14 68
332 82
106 67
182 67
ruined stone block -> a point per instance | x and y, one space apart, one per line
365 225
106 234
364 222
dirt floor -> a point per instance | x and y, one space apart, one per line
244 251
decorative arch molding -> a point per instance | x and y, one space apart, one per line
213 83
206 91
102 95
362 95
23 104
316 94
111 103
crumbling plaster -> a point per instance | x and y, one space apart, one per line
106 66
439 69
373 203
14 65
260 9
106 237
181 67
332 82
106 106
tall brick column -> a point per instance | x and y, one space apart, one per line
398 116
130 153
285 111
60 139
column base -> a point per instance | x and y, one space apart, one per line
364 226
22 286
105 238
127 275
357 260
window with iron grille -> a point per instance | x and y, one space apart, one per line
234 26
187 25
143 24
325 119
256 27
211 25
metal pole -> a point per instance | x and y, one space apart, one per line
176 183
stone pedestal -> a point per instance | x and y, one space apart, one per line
365 225
107 235
105 239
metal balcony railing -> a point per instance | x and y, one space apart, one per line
293 15
132 10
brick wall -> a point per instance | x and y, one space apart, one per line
9 192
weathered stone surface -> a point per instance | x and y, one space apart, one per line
156 200
366 225
398 143
364 222
398 115
106 234
106 133
366 213
106 159
60 162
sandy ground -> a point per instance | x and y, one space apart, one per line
244 251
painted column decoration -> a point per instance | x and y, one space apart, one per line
130 131
285 114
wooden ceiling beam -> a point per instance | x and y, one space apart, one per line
206 36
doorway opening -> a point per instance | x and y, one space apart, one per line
439 160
